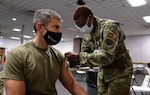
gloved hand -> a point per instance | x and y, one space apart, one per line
71 56
73 59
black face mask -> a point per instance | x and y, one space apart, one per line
52 38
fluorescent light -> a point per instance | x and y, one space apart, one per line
16 29
26 36
1 37
136 3
147 19
33 32
77 36
14 19
17 38
62 39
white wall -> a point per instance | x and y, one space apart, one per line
139 47
8 44
65 46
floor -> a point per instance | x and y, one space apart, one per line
92 91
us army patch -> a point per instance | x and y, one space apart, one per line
113 34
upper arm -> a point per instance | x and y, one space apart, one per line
87 43
109 44
14 87
110 35
66 77
109 41
70 83
13 67
12 75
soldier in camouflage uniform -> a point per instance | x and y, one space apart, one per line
103 45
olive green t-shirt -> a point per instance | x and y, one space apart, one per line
39 68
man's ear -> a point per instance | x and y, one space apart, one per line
38 25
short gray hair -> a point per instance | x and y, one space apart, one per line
44 16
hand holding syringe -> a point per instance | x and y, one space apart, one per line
72 59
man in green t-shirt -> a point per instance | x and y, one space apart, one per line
33 68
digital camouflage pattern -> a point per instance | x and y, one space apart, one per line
118 86
105 48
1 84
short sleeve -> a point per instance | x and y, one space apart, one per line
13 67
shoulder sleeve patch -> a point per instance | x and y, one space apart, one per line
110 36
113 34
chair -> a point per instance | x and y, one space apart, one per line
144 88
82 71
138 68
91 78
134 81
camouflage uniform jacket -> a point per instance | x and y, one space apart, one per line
105 48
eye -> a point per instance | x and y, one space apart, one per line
81 23
57 27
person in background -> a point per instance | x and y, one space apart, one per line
103 45
34 67
148 64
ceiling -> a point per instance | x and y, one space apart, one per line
130 17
